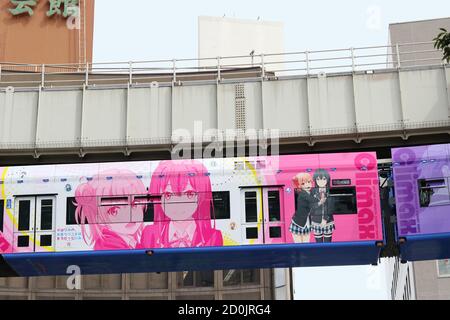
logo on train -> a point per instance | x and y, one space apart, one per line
366 183
405 180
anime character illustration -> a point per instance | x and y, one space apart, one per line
322 220
5 246
110 225
306 203
183 218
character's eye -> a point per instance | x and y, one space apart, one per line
168 195
113 211
190 194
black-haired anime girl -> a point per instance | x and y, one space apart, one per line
322 220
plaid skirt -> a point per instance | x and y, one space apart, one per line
297 230
323 230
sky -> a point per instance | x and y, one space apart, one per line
147 29
341 283
136 30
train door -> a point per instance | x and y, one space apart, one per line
263 216
273 216
35 223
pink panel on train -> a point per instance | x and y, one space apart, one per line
346 171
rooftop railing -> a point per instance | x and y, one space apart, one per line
261 66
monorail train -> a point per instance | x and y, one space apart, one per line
421 183
258 212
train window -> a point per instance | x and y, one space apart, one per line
343 200
274 206
71 208
221 206
23 241
114 201
46 241
149 201
2 211
146 199
24 215
251 207
149 213
297 192
252 233
275 232
47 214
433 192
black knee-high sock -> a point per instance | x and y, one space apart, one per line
328 239
319 239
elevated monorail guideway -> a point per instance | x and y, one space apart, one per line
365 98
236 213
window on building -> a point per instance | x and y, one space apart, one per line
195 296
241 277
433 192
408 285
443 268
255 295
147 281
221 206
198 279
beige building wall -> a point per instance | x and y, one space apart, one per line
417 32
225 37
430 285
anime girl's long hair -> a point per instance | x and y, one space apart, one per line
322 173
108 183
178 174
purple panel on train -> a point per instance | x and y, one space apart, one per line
422 177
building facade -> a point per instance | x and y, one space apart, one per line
31 30
421 33
432 280
242 39
401 280
198 285
423 280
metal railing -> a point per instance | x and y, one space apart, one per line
263 66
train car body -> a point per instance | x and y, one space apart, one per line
190 215
421 182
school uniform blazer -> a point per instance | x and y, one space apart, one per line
152 238
323 212
306 202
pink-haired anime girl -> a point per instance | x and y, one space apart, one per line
183 218
110 225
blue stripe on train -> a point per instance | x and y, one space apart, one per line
426 247
191 259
